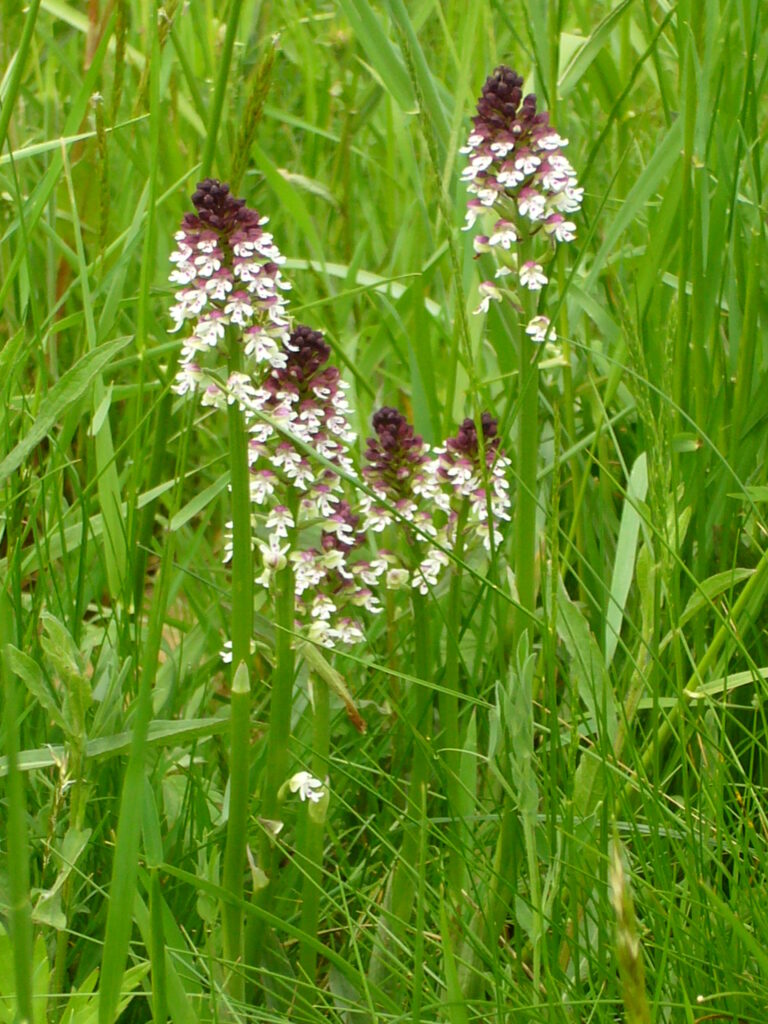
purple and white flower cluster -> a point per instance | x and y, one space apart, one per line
306 512
227 268
434 492
295 409
523 191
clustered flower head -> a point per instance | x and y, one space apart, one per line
523 191
227 268
306 515
295 409
432 491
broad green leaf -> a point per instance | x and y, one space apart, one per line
587 663
30 673
626 550
160 733
48 908
588 783
68 389
756 492
41 974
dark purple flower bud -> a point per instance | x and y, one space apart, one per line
316 389
309 350
502 109
395 454
465 443
217 208
519 181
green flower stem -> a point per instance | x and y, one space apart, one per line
312 846
278 736
282 698
404 882
117 934
448 701
527 461
568 407
241 632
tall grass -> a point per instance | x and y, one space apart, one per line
547 777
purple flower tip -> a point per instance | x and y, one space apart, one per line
395 453
466 443
501 104
218 209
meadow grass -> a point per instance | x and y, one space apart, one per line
547 775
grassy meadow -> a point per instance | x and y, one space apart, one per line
531 787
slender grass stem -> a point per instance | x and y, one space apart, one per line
157 952
20 913
224 65
527 461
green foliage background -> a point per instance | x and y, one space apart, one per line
342 121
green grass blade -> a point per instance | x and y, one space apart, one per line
19 64
385 59
68 389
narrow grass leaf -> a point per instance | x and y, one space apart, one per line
427 83
17 842
386 60
453 1005
196 505
626 550
19 64
631 209
580 62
